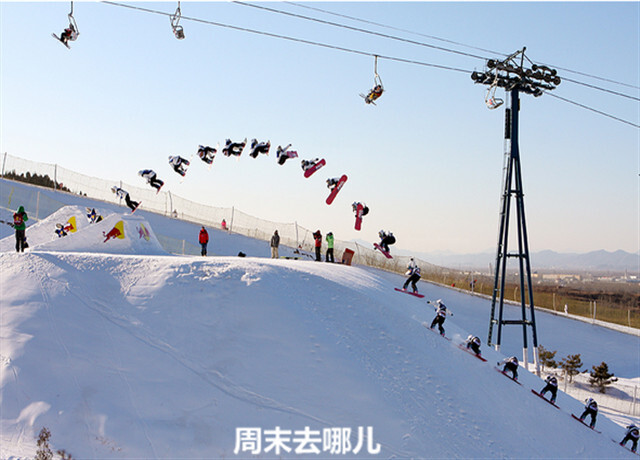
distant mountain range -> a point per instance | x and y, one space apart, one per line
600 260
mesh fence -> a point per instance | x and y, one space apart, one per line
169 204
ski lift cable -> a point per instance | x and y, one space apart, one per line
462 44
339 48
357 29
593 110
601 89
393 28
294 39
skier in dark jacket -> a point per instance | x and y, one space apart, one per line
632 435
19 219
552 386
203 239
152 178
414 276
590 408
127 199
317 236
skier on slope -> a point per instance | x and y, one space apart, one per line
206 153
386 239
178 164
259 147
125 195
441 315
632 434
552 386
413 271
511 364
590 408
473 342
151 178
233 148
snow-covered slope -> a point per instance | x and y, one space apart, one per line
125 356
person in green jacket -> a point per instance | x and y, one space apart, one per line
329 256
19 219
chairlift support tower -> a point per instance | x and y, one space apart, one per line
512 76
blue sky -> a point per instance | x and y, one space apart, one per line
427 159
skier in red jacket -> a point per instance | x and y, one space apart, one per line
203 239
317 236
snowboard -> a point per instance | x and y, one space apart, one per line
428 326
314 168
420 296
359 210
60 40
386 254
159 188
507 375
578 419
134 209
547 400
625 447
336 189
463 347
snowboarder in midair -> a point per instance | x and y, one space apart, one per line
151 178
259 147
441 315
206 153
178 164
233 148
365 209
590 408
552 386
386 239
332 182
511 364
413 271
632 434
308 164
473 342
283 154
125 195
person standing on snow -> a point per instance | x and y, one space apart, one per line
203 239
329 256
511 364
632 435
590 408
414 276
317 237
552 386
441 315
275 242
19 219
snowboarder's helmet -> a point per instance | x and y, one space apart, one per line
141 172
114 189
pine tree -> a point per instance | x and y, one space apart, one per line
571 364
600 377
546 357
